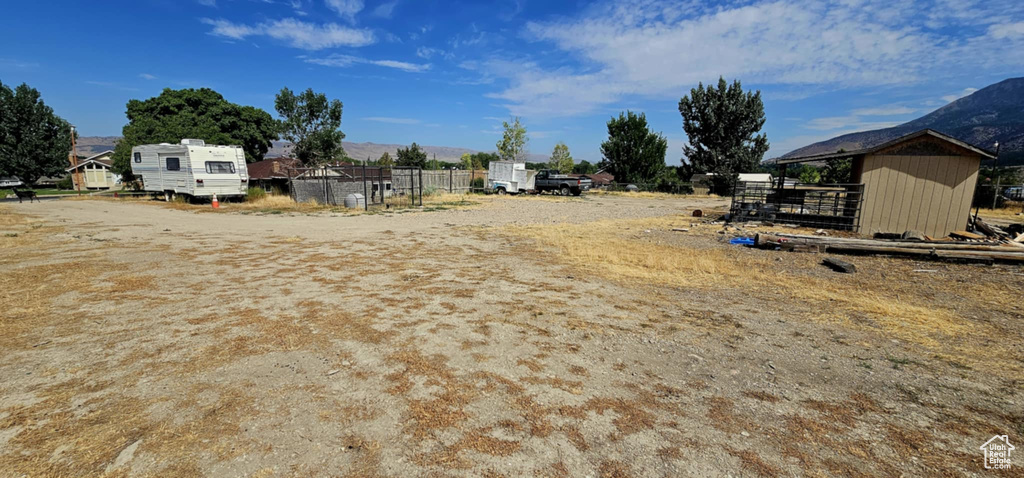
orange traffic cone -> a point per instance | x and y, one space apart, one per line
216 203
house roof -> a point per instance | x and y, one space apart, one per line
100 154
266 169
597 177
874 149
104 162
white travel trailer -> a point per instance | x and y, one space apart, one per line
510 177
192 169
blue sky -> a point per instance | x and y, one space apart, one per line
447 72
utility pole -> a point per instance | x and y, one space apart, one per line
995 171
74 162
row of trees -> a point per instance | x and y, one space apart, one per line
722 124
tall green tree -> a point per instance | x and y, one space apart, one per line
584 167
561 159
632 152
837 171
193 113
34 142
470 161
483 160
412 156
313 124
722 125
386 160
512 146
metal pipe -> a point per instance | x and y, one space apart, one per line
995 171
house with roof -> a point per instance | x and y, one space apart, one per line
272 173
94 172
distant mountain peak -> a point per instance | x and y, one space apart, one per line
994 113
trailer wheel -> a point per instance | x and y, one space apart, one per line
501 191
565 190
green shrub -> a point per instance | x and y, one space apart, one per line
255 193
65 183
478 183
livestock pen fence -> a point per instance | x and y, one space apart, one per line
357 186
453 180
829 206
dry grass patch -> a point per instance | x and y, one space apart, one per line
1009 213
611 249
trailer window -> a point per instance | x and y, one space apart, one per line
220 167
138 157
173 164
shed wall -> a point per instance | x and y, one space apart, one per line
931 194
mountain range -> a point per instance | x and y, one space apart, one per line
991 114
89 145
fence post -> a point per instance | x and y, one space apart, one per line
451 177
366 205
421 186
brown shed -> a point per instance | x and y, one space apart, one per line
923 181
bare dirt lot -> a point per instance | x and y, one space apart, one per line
515 337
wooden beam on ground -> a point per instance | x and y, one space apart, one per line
840 265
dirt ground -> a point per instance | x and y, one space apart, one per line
515 337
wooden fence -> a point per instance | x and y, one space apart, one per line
455 181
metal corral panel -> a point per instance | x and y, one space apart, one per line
931 194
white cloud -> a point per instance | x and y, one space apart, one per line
296 33
385 10
428 52
952 98
344 61
661 48
346 9
207 3
1006 30
386 119
147 76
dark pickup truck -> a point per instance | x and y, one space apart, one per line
551 180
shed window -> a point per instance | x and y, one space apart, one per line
220 167
173 164
138 157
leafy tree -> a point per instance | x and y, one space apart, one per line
632 152
386 160
312 124
483 160
34 142
471 161
561 159
584 167
837 171
412 156
512 146
722 125
193 113
809 174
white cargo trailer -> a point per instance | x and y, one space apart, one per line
510 177
192 169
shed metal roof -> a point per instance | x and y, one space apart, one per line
865 151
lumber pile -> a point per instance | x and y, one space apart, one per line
985 251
